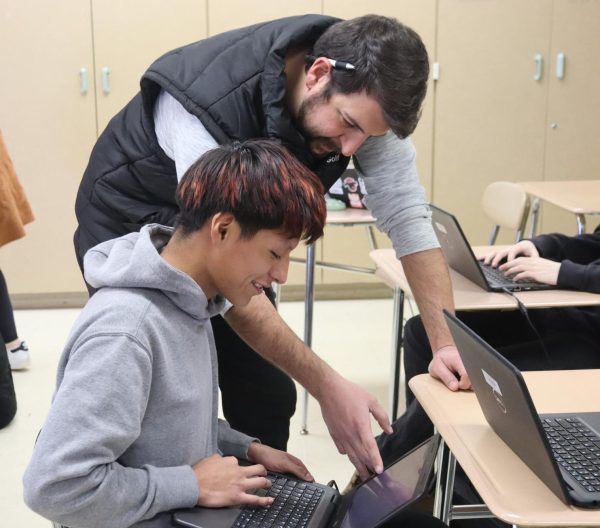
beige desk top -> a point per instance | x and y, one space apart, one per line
508 487
469 296
350 216
577 197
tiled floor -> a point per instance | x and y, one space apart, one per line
353 336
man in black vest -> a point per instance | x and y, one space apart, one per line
328 90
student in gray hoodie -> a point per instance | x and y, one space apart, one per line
133 430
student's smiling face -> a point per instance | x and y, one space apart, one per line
245 266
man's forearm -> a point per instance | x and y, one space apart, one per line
263 329
345 406
427 274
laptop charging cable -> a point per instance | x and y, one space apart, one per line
523 309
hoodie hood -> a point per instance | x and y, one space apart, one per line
134 261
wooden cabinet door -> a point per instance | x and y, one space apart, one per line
572 137
224 15
49 128
129 36
489 110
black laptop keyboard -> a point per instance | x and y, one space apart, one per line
294 504
496 277
576 448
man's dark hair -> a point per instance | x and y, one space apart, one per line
391 65
260 183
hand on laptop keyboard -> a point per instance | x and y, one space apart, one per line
525 248
278 461
522 263
223 482
532 269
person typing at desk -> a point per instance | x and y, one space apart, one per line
542 339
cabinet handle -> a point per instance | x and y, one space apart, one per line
105 81
560 66
84 81
539 67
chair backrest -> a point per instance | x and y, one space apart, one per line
507 205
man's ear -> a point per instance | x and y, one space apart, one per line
220 225
319 73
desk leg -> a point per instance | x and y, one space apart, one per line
396 360
580 224
309 290
439 475
449 490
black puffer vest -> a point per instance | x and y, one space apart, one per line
234 83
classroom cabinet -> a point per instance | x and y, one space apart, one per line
573 112
517 99
48 120
67 67
496 108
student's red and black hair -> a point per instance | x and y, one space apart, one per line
260 183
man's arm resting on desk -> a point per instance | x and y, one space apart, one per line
427 275
345 406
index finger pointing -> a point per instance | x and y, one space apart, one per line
381 416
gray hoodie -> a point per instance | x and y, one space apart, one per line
136 395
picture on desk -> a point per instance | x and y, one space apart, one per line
563 450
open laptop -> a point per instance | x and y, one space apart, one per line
563 450
370 504
460 257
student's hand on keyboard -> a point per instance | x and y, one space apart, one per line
278 461
346 409
532 268
447 366
525 248
223 482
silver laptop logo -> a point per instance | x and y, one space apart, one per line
496 392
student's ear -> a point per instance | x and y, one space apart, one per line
319 73
220 226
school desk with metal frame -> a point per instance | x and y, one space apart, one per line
509 489
580 197
467 297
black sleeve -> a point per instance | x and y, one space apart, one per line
580 258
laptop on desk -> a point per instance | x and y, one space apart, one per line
310 505
460 257
563 450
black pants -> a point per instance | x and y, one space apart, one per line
8 330
258 399
8 399
410 519
571 340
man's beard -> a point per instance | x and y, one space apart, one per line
313 140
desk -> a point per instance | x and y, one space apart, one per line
467 296
344 218
579 197
509 488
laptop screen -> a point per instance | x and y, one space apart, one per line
385 494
